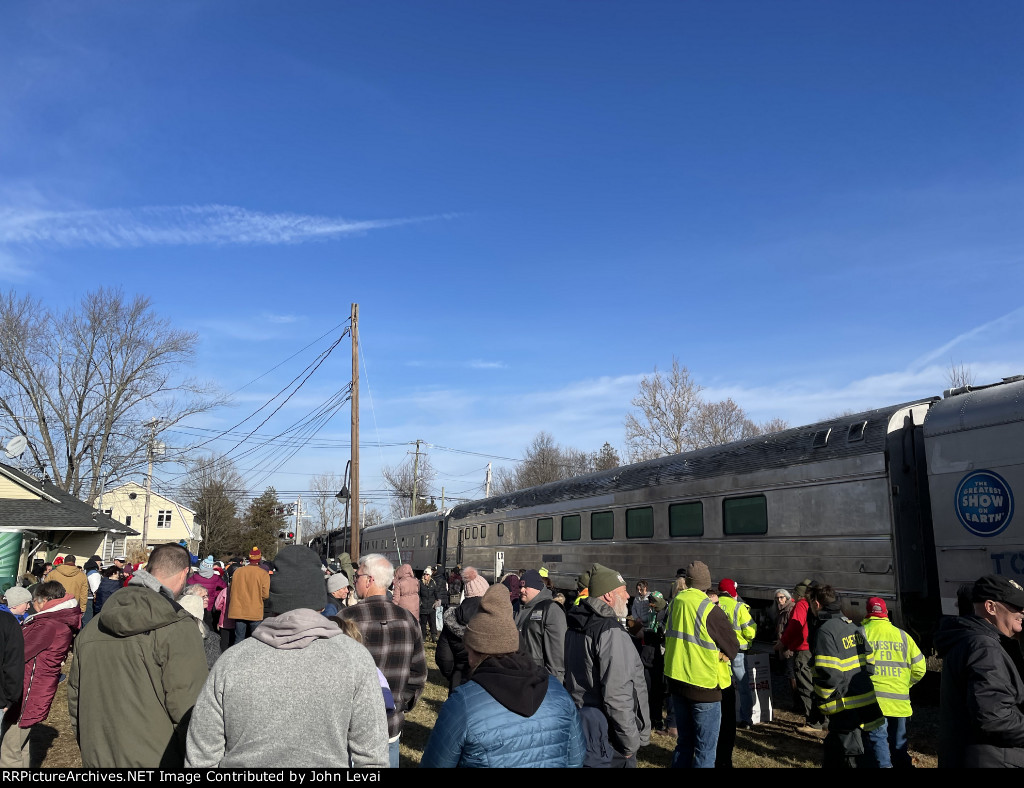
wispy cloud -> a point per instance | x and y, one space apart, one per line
474 364
280 319
999 324
185 225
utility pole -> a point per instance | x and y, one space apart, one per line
149 481
487 482
442 500
415 475
354 490
298 521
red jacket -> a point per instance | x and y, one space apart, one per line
48 637
794 636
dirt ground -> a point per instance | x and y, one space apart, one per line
773 745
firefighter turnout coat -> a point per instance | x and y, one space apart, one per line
843 665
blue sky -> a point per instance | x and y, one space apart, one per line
815 206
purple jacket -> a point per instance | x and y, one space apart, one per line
213 585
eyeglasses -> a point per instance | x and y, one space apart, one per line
361 575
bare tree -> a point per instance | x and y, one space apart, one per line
672 418
328 511
772 425
959 375
215 490
400 479
81 384
721 422
545 461
666 407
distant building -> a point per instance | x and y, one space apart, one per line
38 519
169 521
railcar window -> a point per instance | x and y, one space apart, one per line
686 519
602 525
423 540
474 531
483 531
545 529
640 523
821 438
571 528
501 529
856 432
745 515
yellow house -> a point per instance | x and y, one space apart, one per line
169 521
39 520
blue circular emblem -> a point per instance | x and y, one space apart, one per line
984 503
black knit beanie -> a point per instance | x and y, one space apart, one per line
297 582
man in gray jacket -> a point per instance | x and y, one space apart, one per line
604 675
297 693
541 625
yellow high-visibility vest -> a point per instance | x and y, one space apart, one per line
899 664
739 616
690 653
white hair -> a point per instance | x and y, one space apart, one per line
382 570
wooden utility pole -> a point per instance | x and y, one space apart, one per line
415 476
149 482
354 489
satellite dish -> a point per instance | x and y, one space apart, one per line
16 446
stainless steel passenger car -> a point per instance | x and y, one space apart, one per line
849 501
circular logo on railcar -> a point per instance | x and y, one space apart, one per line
984 503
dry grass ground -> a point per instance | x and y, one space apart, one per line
774 745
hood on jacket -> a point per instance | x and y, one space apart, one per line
456 618
514 680
66 608
66 571
296 629
953 629
142 605
579 615
404 571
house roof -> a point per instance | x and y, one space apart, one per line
53 510
133 486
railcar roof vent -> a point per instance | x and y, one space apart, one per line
856 432
821 438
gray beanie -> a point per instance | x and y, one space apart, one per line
16 595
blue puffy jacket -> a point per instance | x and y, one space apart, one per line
475 730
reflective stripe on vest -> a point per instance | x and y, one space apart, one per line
892 676
690 655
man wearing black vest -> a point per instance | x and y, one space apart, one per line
541 625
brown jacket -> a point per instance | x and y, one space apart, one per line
250 585
74 582
406 590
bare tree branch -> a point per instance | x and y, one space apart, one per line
81 384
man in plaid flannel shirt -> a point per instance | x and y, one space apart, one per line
392 635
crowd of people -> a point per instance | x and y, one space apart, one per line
247 664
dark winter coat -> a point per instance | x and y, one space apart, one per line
451 656
981 722
12 660
454 588
108 585
151 648
428 595
48 636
